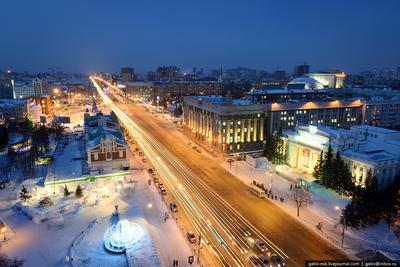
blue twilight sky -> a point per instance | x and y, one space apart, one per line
89 36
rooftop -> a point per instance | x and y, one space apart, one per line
287 91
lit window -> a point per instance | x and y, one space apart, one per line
224 123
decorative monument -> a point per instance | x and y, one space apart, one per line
122 236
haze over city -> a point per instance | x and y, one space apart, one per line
92 36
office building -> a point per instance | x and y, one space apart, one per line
225 125
127 74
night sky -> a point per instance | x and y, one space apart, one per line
89 36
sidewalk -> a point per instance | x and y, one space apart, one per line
311 214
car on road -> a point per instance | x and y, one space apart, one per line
244 230
254 261
260 244
173 207
264 260
191 237
198 150
277 260
194 147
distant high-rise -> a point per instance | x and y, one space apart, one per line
301 70
151 76
280 75
6 89
170 73
127 74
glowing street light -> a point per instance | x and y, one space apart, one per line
149 205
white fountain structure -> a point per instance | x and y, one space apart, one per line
122 236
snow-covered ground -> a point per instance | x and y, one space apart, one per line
323 207
46 240
64 165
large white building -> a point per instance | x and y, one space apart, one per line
363 148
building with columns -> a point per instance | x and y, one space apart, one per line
224 124
363 148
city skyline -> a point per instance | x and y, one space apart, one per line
348 36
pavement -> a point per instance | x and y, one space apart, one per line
227 196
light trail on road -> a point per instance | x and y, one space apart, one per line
206 210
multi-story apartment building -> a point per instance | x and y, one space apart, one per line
338 114
44 102
271 96
40 86
23 89
127 74
14 110
224 124
167 90
6 89
382 113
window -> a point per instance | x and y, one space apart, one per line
238 146
96 156
224 123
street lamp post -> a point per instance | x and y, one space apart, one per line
269 173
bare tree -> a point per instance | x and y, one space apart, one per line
301 196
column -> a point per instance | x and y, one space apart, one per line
248 130
235 131
255 130
261 130
228 129
242 131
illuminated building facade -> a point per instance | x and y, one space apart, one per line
224 124
329 80
339 114
105 147
270 96
45 103
363 148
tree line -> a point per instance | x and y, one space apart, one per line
370 203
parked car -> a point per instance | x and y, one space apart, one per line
198 150
160 185
254 261
260 244
173 207
191 237
194 147
150 170
144 160
155 180
277 260
263 260
140 153
163 191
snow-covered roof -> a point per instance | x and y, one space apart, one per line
285 91
309 83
